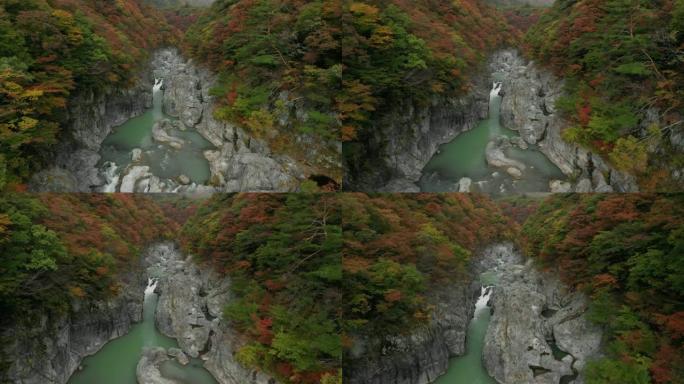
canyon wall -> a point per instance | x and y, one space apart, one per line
50 348
529 107
91 116
538 332
239 162
190 309
423 355
407 136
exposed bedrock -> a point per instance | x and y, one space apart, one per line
238 163
538 332
407 136
528 106
50 349
421 356
190 307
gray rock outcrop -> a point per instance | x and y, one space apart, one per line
529 107
538 332
190 307
50 350
239 162
148 368
407 136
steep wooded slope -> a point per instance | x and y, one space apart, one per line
625 251
50 49
623 62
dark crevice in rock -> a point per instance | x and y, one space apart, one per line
207 346
548 312
207 315
537 370
324 181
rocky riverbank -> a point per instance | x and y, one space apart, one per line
239 162
528 106
538 332
423 355
50 349
190 307
407 136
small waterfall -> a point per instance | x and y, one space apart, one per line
110 172
158 83
496 87
151 286
483 299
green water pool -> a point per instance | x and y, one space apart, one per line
116 362
465 157
468 369
164 161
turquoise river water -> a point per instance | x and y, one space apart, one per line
465 156
116 362
163 160
468 369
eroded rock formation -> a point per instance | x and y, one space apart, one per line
529 107
538 332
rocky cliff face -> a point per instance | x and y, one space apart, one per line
51 349
423 355
538 332
91 117
190 310
240 162
528 106
407 136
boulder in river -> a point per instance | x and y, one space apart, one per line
514 172
497 158
147 371
180 356
136 154
184 179
464 184
559 186
160 133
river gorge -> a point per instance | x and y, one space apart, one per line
512 324
161 136
504 136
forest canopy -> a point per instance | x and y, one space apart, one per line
623 65
625 251
59 247
52 49
283 255
399 247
